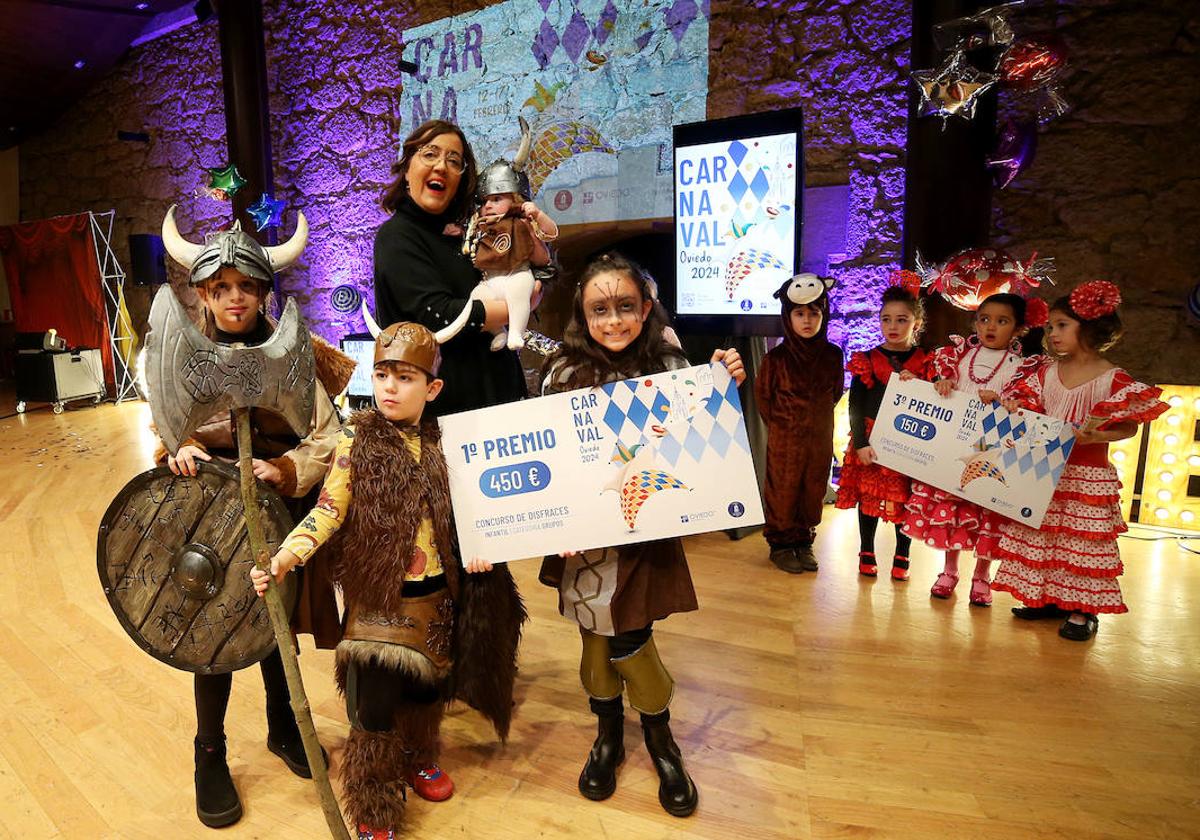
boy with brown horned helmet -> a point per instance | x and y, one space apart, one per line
418 632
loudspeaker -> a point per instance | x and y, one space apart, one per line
147 259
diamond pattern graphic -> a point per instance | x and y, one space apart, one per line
680 17
545 44
1043 460
576 36
760 186
737 186
605 24
737 152
633 406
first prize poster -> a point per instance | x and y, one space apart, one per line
1007 463
660 456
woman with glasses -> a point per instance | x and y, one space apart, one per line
421 274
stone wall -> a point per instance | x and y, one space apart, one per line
1114 191
1111 194
845 62
336 127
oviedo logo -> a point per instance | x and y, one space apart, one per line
562 200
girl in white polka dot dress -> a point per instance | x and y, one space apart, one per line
981 365
1069 566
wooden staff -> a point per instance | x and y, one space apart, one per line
283 634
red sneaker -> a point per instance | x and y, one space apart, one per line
431 783
365 833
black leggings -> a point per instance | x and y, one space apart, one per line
382 692
212 697
866 536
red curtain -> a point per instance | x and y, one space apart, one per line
54 281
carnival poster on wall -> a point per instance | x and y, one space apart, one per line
660 456
600 82
735 224
1008 463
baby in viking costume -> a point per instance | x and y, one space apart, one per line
418 632
505 239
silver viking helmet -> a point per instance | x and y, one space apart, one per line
233 247
500 176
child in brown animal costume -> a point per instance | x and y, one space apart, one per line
418 633
797 388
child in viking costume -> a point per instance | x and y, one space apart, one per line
233 274
615 594
506 239
418 632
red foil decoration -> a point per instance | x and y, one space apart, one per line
1032 63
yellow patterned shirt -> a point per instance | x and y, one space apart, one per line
334 504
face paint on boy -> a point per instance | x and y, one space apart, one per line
233 299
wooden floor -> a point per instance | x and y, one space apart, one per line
817 706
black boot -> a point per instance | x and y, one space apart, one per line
217 802
599 777
283 739
676 791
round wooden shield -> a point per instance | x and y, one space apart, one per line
174 560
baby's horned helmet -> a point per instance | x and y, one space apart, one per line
500 176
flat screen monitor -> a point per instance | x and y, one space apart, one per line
361 348
738 200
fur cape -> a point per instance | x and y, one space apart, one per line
392 493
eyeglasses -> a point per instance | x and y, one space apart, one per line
431 154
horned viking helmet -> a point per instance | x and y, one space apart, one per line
500 176
406 342
233 247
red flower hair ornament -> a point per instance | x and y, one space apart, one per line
1095 299
910 281
1037 313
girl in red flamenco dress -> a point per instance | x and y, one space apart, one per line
981 365
878 492
1069 566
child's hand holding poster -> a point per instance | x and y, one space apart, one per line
659 456
1008 463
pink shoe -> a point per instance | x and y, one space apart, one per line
943 587
981 592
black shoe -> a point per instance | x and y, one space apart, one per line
293 755
676 791
785 559
808 560
217 803
599 777
1080 632
283 739
1038 613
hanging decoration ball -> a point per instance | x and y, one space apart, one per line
225 179
970 276
345 299
1015 150
986 28
1032 63
266 212
954 89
